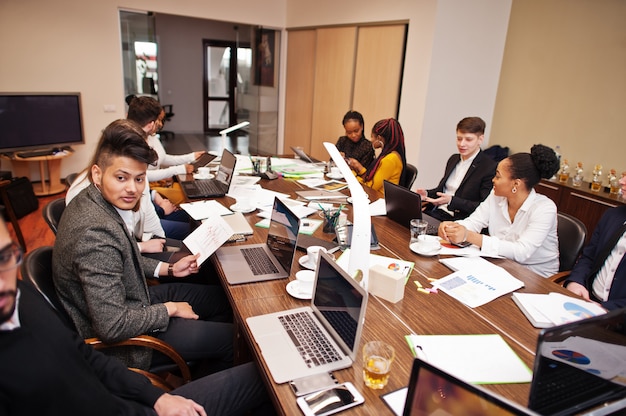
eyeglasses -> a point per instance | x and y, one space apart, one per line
11 257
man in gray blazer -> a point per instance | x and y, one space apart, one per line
101 276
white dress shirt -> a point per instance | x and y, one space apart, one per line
602 283
531 239
174 164
456 177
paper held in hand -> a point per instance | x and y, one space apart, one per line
208 237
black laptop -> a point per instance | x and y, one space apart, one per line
215 187
581 367
404 205
432 391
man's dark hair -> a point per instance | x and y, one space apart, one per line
475 125
143 110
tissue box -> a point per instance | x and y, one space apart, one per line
385 283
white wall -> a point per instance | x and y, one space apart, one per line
74 45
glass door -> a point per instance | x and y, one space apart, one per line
227 73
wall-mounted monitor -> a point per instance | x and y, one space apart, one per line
30 121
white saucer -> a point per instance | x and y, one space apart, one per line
243 210
292 289
331 176
198 176
304 262
415 248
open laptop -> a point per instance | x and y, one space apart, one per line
270 260
404 205
336 315
302 155
215 187
581 367
432 391
203 160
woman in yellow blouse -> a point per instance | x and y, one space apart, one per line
388 143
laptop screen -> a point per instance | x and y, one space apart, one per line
227 168
435 392
340 302
283 234
580 365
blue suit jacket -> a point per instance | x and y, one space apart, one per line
609 223
474 188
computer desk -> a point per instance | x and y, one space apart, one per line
416 313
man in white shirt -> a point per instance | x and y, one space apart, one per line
467 178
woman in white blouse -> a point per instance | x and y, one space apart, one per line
522 224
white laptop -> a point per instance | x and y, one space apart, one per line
337 311
271 260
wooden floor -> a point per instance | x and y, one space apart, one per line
35 230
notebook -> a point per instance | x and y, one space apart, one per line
337 312
432 391
259 262
203 160
211 188
581 365
302 155
403 205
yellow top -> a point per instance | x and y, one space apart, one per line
389 169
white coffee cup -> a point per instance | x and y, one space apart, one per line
243 203
334 171
428 245
313 253
305 279
204 171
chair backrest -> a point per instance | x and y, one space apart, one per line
52 213
37 269
572 233
410 173
69 179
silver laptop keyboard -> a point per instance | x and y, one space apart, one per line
208 187
313 346
258 260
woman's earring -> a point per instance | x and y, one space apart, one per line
514 190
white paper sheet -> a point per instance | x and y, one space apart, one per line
208 237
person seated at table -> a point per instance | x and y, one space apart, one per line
388 145
149 113
354 144
599 274
65 376
467 178
101 277
522 224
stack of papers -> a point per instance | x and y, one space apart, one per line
480 359
478 283
544 311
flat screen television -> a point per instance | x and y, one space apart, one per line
33 121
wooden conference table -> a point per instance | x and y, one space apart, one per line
417 312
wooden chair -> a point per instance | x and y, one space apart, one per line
37 269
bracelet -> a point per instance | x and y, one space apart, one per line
170 270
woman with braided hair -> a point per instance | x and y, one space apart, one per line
522 224
390 160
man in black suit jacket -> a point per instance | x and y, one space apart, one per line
47 369
600 273
467 179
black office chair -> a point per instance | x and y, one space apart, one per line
52 213
69 179
410 173
169 113
37 269
572 233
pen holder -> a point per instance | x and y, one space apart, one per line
331 219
